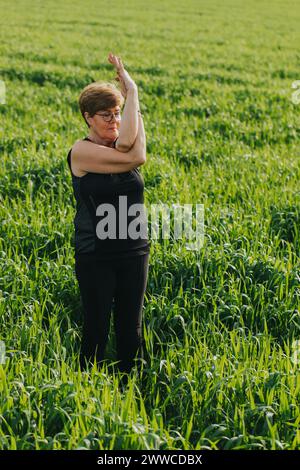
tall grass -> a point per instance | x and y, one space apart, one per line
220 324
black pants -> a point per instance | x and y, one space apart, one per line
99 282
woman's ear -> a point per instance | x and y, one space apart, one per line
87 117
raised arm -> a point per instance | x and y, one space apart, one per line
129 123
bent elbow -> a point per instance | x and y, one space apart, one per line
123 148
142 159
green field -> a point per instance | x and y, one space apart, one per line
221 325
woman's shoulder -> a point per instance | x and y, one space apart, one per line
75 147
75 144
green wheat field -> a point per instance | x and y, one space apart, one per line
222 324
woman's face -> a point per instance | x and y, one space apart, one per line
108 130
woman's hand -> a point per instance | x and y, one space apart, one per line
123 76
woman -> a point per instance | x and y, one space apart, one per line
111 264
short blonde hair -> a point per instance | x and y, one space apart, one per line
99 96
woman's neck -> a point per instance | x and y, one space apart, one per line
98 140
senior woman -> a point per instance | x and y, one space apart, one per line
111 265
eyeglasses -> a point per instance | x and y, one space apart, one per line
108 116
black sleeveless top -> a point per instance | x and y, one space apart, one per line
93 220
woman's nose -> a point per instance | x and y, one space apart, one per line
114 120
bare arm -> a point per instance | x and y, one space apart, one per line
129 123
90 157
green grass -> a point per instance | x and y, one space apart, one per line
214 84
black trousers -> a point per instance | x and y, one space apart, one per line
123 280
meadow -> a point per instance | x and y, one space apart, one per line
221 324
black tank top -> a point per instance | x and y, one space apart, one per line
94 189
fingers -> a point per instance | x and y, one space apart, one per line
116 61
121 63
112 59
